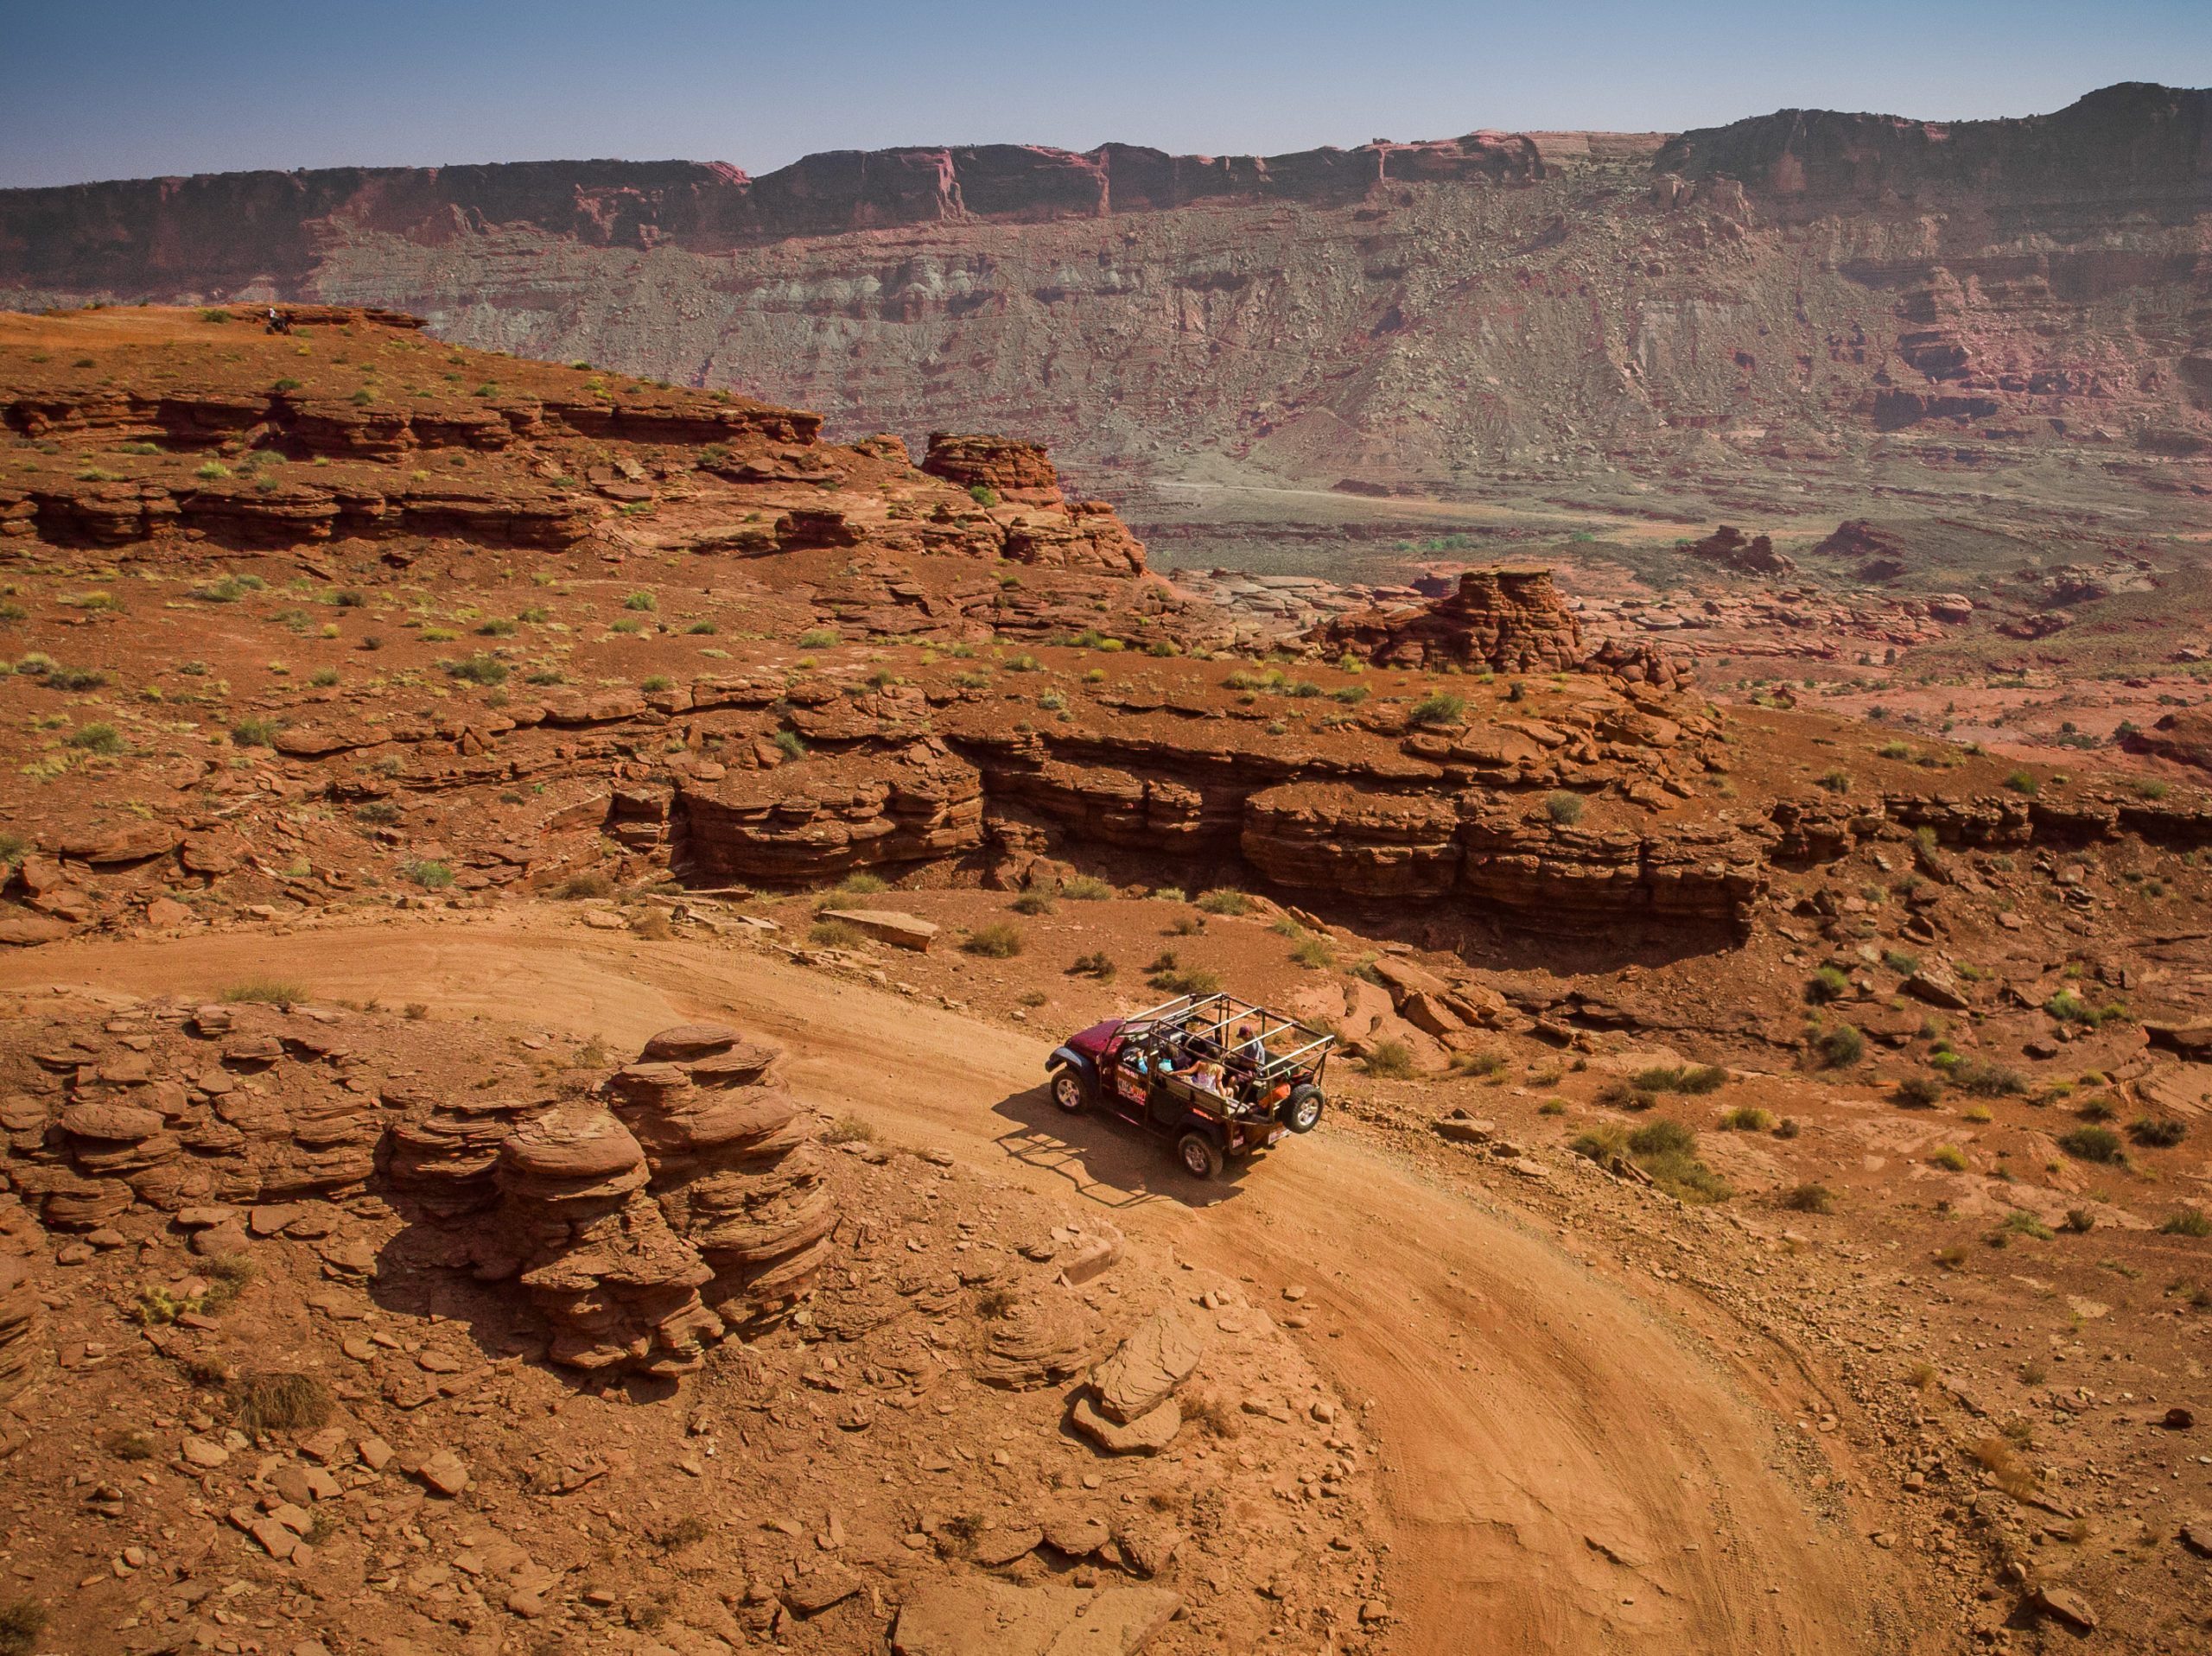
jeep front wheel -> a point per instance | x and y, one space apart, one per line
1070 1092
1200 1160
1302 1109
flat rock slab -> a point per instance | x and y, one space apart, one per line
889 926
991 1619
1146 1367
1147 1435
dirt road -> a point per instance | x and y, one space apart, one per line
1564 1468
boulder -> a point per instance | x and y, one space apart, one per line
1147 1435
1146 1367
888 926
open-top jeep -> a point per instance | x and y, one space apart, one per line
1221 1077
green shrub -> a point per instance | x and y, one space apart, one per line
74 678
2021 782
1170 977
1987 1080
1920 1091
498 627
1564 808
1351 695
1225 899
1949 1156
284 1403
2091 1144
253 732
1747 1119
816 638
1032 903
430 876
836 934
1168 894
1439 710
983 495
656 681
1314 954
266 992
2018 1223
588 884
788 741
863 883
1827 985
479 669
1836 781
98 738
998 941
1808 1198
1084 888
644 601
1097 964
1903 964
2189 1221
212 470
2158 1133
702 630
1392 1059
1667 1150
1841 1046
324 678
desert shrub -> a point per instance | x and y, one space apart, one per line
1392 1059
1097 965
1187 979
73 678
644 602
2021 782
1168 894
998 941
1667 1150
588 884
253 732
1225 899
2020 1223
850 1129
324 678
1827 985
2081 1221
2014 1478
1314 954
1920 1091
788 743
267 992
1987 1080
98 738
283 1403
1564 808
1621 1095
1032 903
2158 1133
1836 781
1808 1198
652 924
1552 1106
430 876
1438 710
1949 1156
983 495
2188 1221
656 681
1903 964
1841 1046
479 669
1951 1259
1690 1078
1787 1127
497 627
2099 1108
1747 1119
21 1622
1085 888
127 1445
1351 695
1602 1143
2091 1144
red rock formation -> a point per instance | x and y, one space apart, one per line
1508 618
1726 547
2185 738
1014 469
816 822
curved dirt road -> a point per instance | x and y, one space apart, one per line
1564 1469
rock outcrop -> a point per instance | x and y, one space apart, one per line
1727 547
1509 619
1932 318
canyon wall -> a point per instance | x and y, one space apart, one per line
1802 285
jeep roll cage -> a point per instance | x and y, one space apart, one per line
1214 1018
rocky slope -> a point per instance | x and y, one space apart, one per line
1798 299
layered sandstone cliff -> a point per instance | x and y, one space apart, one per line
1409 315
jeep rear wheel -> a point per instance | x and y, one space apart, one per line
1302 1109
1071 1092
1200 1160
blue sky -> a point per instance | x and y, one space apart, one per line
104 89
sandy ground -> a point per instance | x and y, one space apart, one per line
1567 1467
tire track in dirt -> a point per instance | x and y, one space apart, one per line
1563 1468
